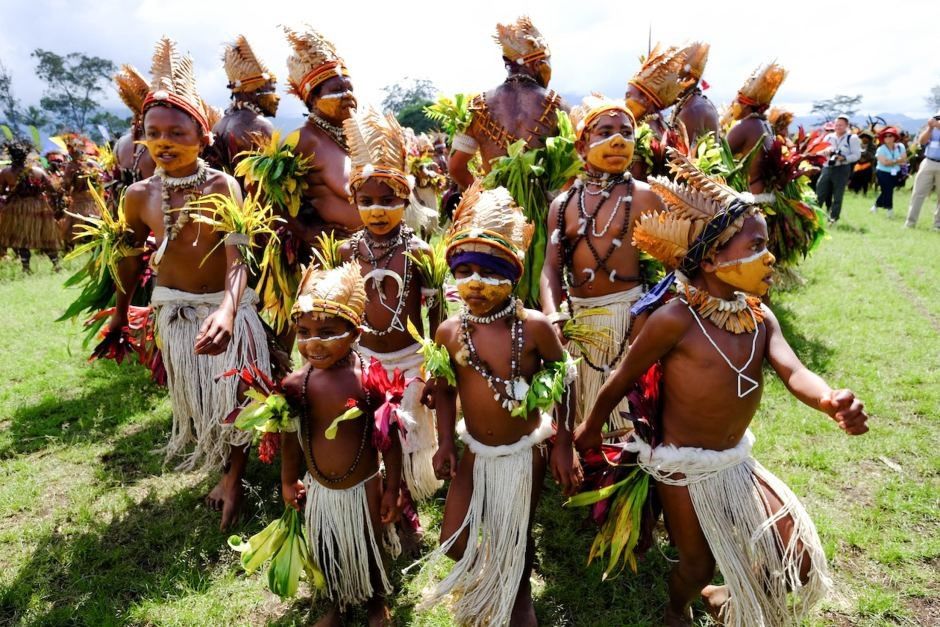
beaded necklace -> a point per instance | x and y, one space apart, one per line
385 259
746 384
740 315
336 133
512 391
192 184
589 221
308 437
241 105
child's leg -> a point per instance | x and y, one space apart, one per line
456 505
523 612
377 606
227 494
696 566
785 528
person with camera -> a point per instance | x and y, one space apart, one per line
843 151
891 155
928 174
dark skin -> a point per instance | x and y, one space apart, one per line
625 259
243 129
126 152
489 423
699 116
329 175
192 263
374 192
746 134
335 377
645 110
516 106
709 414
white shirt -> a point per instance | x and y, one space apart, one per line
849 144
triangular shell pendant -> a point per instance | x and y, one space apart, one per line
751 385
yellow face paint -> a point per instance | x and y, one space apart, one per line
170 155
544 70
748 274
381 219
612 154
268 102
482 294
331 105
637 108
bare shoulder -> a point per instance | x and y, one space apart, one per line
293 383
346 249
538 323
671 320
220 183
448 332
645 199
307 141
418 244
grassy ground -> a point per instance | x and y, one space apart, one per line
94 531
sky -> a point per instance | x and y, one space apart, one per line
829 48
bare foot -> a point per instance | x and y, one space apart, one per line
332 618
676 619
715 598
379 615
523 612
226 497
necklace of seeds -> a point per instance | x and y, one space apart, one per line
191 184
308 437
336 133
404 236
502 388
240 105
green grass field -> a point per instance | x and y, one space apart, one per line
95 531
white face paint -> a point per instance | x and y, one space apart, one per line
601 142
484 280
338 96
329 338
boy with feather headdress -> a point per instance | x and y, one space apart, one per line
205 317
721 506
134 162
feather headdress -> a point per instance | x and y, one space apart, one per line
761 86
521 42
313 61
132 87
377 149
667 74
244 70
701 214
174 83
489 221
591 108
339 291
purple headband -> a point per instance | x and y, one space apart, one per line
492 263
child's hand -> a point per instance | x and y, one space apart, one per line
445 461
586 439
294 494
215 333
389 510
427 394
566 469
846 410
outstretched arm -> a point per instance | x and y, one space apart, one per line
661 332
841 405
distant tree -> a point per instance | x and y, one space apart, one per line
409 91
9 105
836 106
114 124
35 117
413 116
72 82
933 100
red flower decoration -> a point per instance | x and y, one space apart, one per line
389 392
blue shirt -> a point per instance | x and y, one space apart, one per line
890 155
932 151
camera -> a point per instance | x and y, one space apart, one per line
834 158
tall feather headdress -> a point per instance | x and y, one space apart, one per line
489 221
521 41
339 291
761 86
313 61
668 73
593 107
132 87
701 214
244 69
377 149
174 83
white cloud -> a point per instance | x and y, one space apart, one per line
828 50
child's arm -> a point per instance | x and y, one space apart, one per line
840 405
550 282
389 509
566 469
661 332
445 406
130 267
292 488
